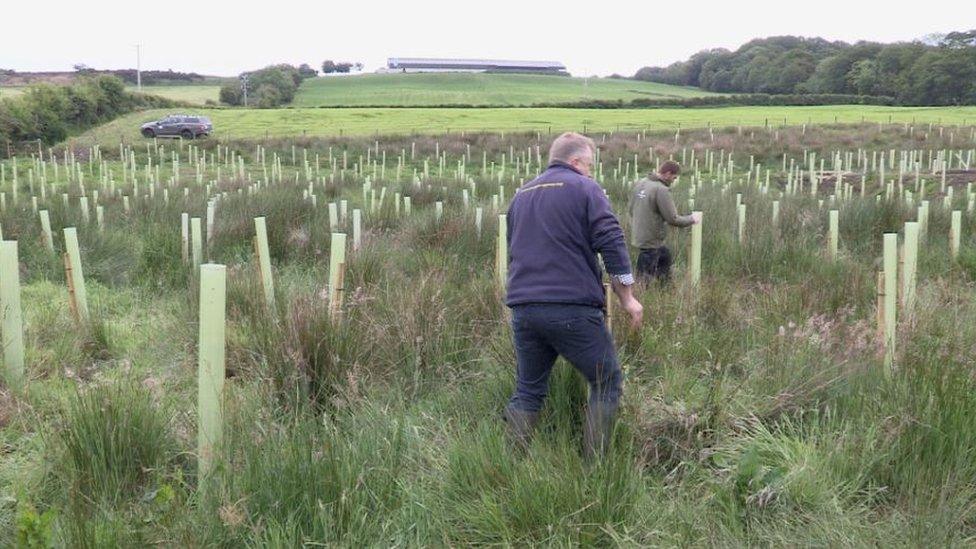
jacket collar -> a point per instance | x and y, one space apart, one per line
560 164
654 177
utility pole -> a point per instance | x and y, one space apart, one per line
138 70
244 87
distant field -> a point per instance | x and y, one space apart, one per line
8 92
259 123
197 94
474 89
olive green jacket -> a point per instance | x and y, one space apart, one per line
651 211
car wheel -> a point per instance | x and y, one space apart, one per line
186 134
148 132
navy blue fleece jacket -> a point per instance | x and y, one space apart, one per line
557 223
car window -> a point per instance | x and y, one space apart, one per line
192 120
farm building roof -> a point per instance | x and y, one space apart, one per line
397 63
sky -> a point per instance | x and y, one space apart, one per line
218 37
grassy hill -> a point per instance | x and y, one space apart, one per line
409 90
197 94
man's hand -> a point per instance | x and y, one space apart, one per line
636 312
696 218
629 303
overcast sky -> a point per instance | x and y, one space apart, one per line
224 38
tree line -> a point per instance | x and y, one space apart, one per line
939 71
275 85
269 87
50 113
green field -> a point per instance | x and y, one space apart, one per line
248 124
197 94
408 90
8 92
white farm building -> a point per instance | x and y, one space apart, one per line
420 64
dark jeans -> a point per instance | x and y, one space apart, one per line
654 263
543 331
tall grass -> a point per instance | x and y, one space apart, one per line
756 409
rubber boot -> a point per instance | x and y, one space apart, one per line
598 429
520 426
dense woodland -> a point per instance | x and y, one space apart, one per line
940 71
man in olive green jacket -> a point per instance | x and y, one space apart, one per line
651 211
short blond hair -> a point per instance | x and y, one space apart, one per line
570 145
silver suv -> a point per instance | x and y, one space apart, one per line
182 125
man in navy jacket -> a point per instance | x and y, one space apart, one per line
557 224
